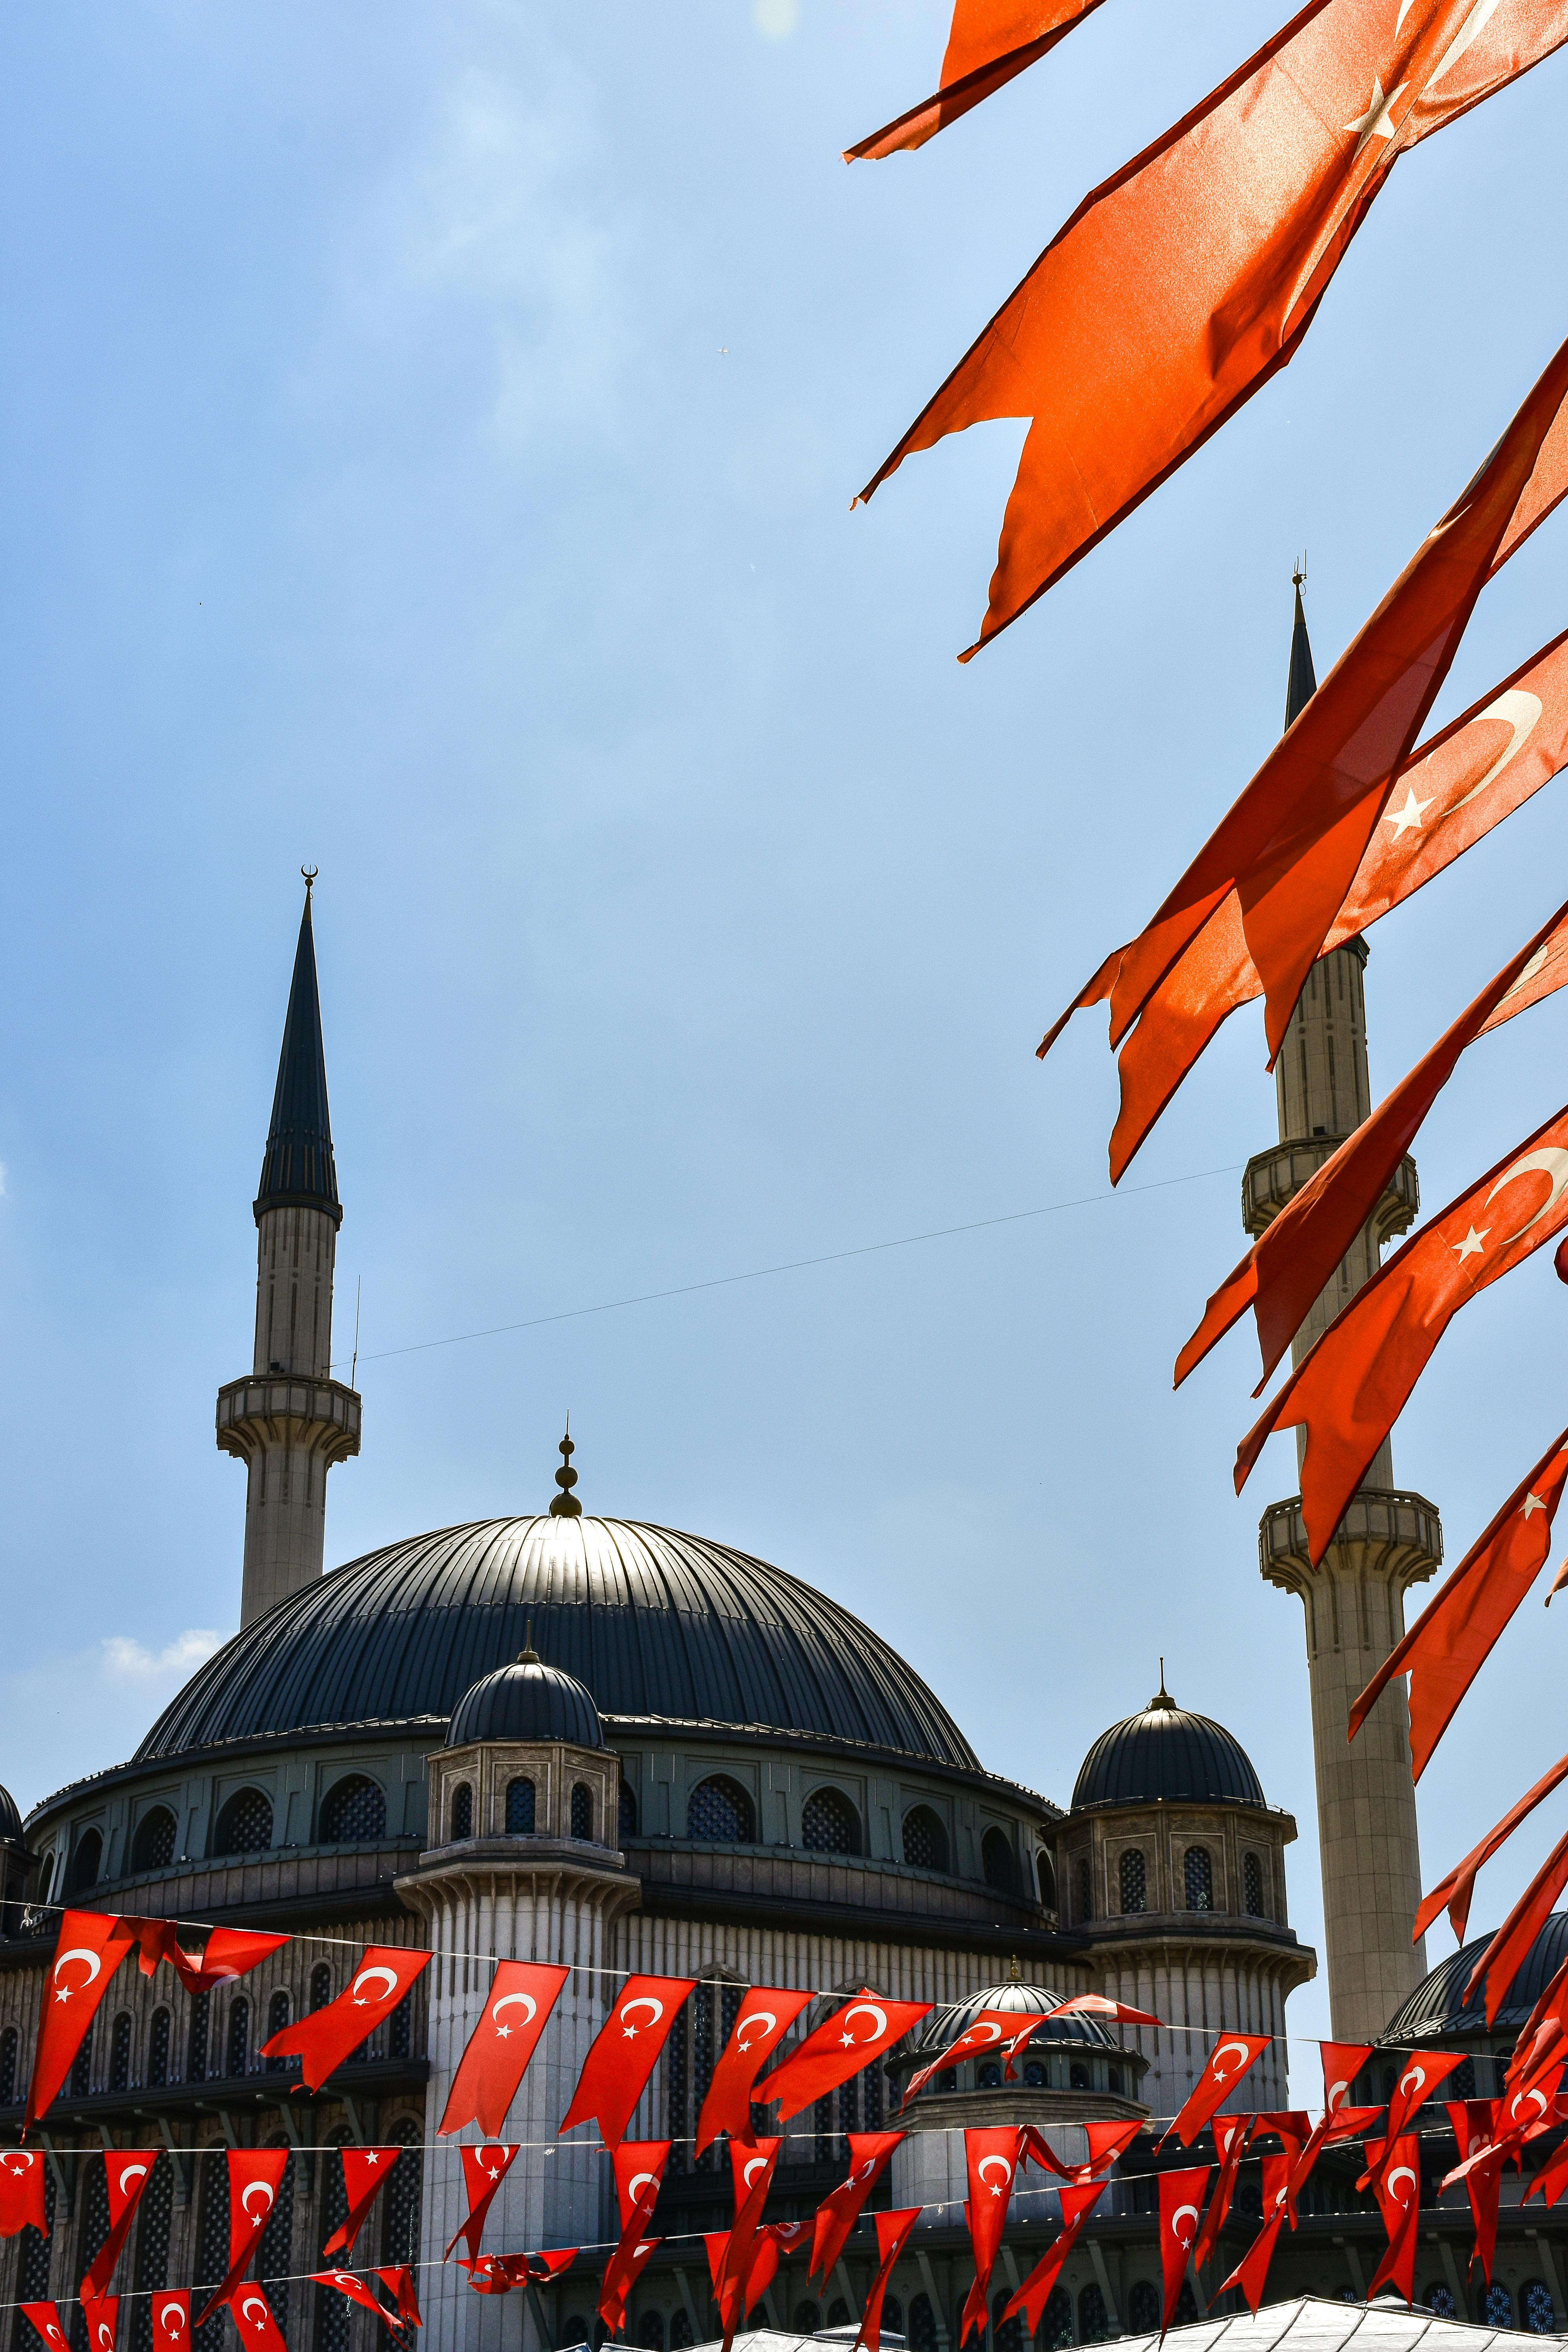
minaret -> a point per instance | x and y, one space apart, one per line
289 1421
1354 1604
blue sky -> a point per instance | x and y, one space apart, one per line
430 441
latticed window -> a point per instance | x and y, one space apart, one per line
354 1813
1083 1889
82 2070
681 2334
822 2120
1187 2311
1143 2308
212 2245
1497 2310
1006 2334
806 2318
871 2097
1536 2308
119 2053
922 2325
1252 1886
847 2116
1197 1876
1133 1872
999 1861
1055 2328
925 1840
1463 2079
988 2075
400 2198
333 2311
520 1807
32 2273
581 1810
703 2055
321 1986
678 2112
462 1827
1440 2302
277 2020
400 2028
155 1846
720 1811
1092 2325
829 1824
86 1862
625 1813
651 2331
93 2230
158 2035
244 1826
893 2314
196 2047
1045 1877
1035 2075
275 2260
1078 2076
9 2044
154 2216
238 2036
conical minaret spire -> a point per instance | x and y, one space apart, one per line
289 1421
1387 1540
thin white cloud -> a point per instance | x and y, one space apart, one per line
126 1660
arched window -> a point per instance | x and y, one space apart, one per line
1187 2311
922 2325
212 2243
651 2331
988 2075
718 1811
119 2053
47 1882
1143 2308
1133 1872
277 2020
893 2314
1092 2325
354 1813
275 2260
1463 2079
1082 1886
92 2231
1046 1875
581 1810
321 1986
1536 2308
82 2070
1197 1876
1113 2080
681 2334
333 2311
925 1839
400 2028
196 2049
158 2048
400 2203
829 1822
625 1813
462 1818
87 1862
1497 2308
1439 2302
153 1848
1078 2076
1252 1886
573 2329
520 1807
1056 2329
244 1826
1006 2334
238 2036
999 1861
807 2318
1036 2073
155 2214
9 2044
838 2313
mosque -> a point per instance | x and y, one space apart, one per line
627 1747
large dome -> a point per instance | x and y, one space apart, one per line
1167 1753
655 1624
1437 2007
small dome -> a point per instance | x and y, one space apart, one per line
1437 2007
944 2025
526 1700
1166 1752
10 1820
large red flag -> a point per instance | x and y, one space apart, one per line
1253 2268
171 2319
1397 2187
990 2156
360 2290
366 2171
1179 286
893 2236
839 2048
639 2170
989 2031
870 2153
47 2320
1230 2136
1228 2063
22 2192
492 2065
1453 1893
1181 2202
125 2171
88 1949
255 2177
253 2320
766 2014
324 2038
227 1953
102 2314
1423 2075
1452 1637
752 2165
1474 2123
1510 1948
1288 1267
484 2170
1076 2199
624 2053
1350 1389
988 43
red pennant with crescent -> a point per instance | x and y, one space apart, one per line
366 2171
865 2029
253 2320
324 2038
517 2010
870 2153
255 2177
1076 2203
766 2014
171 2319
22 2202
991 2158
1396 2183
893 2236
126 2172
625 2052
484 2170
1228 2062
47 2320
1181 2204
88 1949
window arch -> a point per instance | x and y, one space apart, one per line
354 1813
520 1807
274 2259
1143 2308
925 1839
321 1986
1133 1871
158 2038
276 2022
119 2053
400 2209
999 1861
155 2216
239 2036
1083 1890
10 2042
212 2246
1252 1886
1536 2308
581 1810
46 1883
1056 2333
1197 1876
1440 2302
922 2325
806 2318
1078 2077
625 1813
92 2230
462 1819
86 1862
681 2334
82 2070
245 1825
1093 2328
153 1847
651 2331
196 2052
1497 2305
720 1811
829 1822
1046 1875
1006 2334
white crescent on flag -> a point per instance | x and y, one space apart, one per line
1413 2076
79 1952
640 2180
258 2188
507 1999
173 2319
1242 2052
18 2160
757 2163
645 2000
1176 2219
131 2172
254 2303
984 2166
763 2017
867 2008
364 1977
1551 1161
1401 2172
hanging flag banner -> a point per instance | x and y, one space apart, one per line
639 2170
1077 2200
993 2030
991 2158
1181 2202
484 2170
360 2290
1474 2124
870 2153
22 2202
988 43
1396 2183
1420 2077
499 2274
516 2012
1453 1894
865 2029
1107 2141
753 2171
1228 2062
893 2236
125 2172
227 1953
765 2016
324 2038
47 2320
88 1949
624 2053
171 2319
101 2315
255 2177
366 2171
398 2281
1230 2136
253 2320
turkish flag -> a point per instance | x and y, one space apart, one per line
365 2173
1452 1637
1253 2268
47 2320
870 2153
253 2321
1341 2062
324 2038
1293 1259
1510 1948
484 2170
639 2170
499 2274
1179 286
1446 796
624 2053
1228 2063
625 2267
994 2029
1474 2124
1454 1892
990 2156
171 2319
1396 2185
989 42
398 2281
839 2048
1106 2143
102 2314
1230 2136
228 1952
22 2192
125 2170
1181 2202
516 2012
1422 2076
1350 1389
751 2165
766 2014
733 2306
1077 2201
1294 2129
360 2290
893 2236
1095 2004
90 1949
255 2177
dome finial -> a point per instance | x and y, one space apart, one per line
1162 1703
528 1656
565 1504
1014 1974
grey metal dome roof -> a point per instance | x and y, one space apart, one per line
1166 1753
1437 2007
527 1700
944 2025
656 1623
10 1820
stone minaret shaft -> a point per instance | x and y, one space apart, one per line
1354 1602
289 1421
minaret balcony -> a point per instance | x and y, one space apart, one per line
1382 1533
268 1409
1273 1178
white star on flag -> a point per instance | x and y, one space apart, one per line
1471 1245
1532 1503
1402 820
1374 123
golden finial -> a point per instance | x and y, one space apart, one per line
1162 1703
528 1656
565 1505
310 873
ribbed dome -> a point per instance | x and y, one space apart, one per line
526 1700
654 1622
1437 2007
10 1819
944 2025
1166 1752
